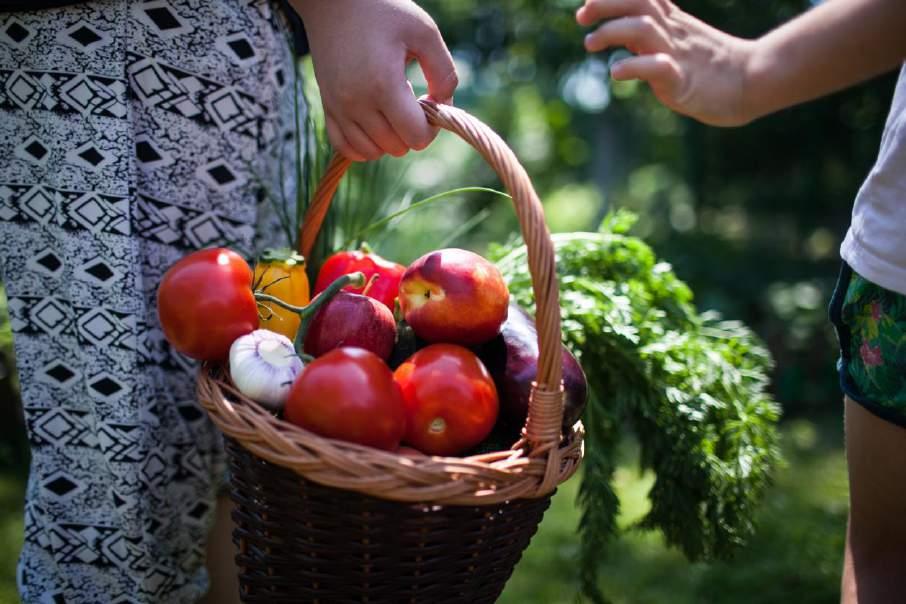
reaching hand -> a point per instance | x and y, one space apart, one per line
691 67
360 49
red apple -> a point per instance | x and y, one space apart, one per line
454 296
351 320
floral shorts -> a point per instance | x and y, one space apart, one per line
871 328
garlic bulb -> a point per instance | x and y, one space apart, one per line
263 365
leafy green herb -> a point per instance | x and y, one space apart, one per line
691 386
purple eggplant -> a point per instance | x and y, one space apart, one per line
512 360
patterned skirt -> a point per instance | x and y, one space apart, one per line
130 134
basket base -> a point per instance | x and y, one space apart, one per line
304 542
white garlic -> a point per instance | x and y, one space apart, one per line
263 365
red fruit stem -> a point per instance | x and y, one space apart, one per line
371 281
306 313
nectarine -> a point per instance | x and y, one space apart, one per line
455 296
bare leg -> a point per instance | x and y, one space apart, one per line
874 568
221 557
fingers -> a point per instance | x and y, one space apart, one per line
384 136
361 142
392 124
597 10
367 138
660 70
638 25
640 34
433 56
408 120
426 46
351 141
371 108
338 140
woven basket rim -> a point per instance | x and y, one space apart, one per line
491 477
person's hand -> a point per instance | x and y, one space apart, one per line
360 49
691 67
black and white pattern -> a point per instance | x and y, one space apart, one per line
130 134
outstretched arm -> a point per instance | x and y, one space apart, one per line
723 80
360 49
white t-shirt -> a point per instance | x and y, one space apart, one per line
875 245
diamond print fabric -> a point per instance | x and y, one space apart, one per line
130 134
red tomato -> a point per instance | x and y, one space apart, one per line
385 289
451 402
348 394
205 301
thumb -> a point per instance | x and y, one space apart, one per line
434 58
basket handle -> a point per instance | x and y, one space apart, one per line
542 429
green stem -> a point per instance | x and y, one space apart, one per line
262 297
307 312
299 342
426 201
297 147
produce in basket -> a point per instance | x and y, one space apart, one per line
385 288
450 399
512 359
407 344
281 273
352 320
205 301
454 295
263 365
347 391
349 394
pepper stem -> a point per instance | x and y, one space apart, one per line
306 313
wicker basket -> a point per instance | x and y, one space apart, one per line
321 520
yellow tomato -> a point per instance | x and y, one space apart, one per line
281 273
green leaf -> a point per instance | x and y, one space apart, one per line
691 386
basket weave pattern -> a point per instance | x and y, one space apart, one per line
391 552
